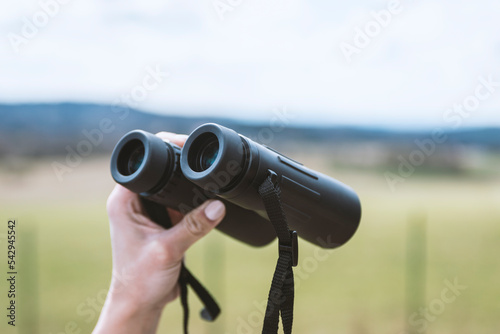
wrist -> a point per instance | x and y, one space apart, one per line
124 316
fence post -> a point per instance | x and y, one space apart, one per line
28 280
416 266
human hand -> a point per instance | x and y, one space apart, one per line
150 256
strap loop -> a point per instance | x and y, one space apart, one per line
281 294
293 249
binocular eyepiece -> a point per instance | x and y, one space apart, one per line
218 162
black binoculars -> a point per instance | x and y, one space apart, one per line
217 162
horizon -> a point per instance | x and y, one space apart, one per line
263 121
260 120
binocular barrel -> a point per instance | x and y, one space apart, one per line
150 167
321 209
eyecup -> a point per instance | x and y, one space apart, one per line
226 167
155 163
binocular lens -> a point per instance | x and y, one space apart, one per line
209 154
208 149
135 160
131 157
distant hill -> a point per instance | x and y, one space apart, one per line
47 129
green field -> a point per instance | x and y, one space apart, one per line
65 258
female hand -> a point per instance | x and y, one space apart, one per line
147 258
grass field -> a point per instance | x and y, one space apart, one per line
65 259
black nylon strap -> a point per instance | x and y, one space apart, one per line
211 311
281 294
184 298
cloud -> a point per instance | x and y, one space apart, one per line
262 55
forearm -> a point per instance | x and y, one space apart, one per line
121 317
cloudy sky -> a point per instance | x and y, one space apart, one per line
326 62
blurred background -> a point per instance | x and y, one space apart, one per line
398 99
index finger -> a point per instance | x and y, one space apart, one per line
174 138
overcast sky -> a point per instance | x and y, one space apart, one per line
244 58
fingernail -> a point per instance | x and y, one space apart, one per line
214 210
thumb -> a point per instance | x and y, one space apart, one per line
194 226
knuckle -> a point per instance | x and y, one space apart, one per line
195 225
120 203
163 253
112 206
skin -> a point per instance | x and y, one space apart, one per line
147 258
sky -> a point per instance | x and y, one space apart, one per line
407 63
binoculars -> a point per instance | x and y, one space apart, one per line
217 162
